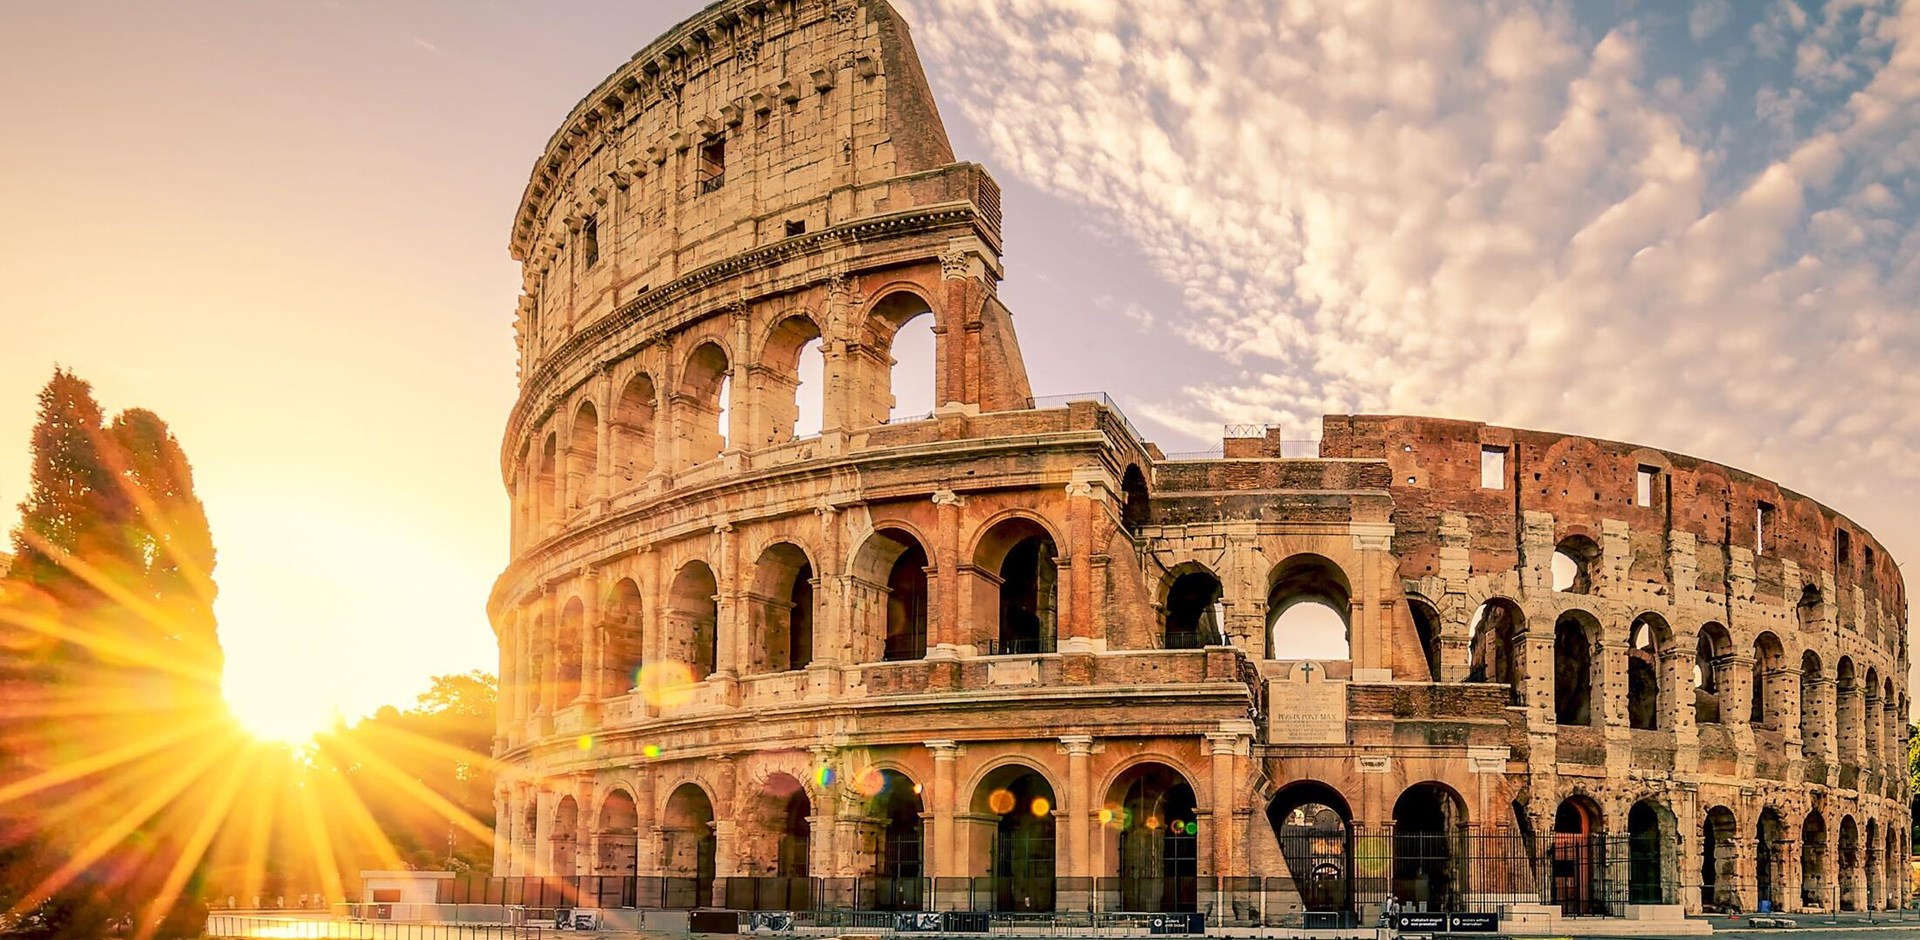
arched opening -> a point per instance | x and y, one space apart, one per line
1429 828
1579 860
687 848
583 456
793 397
1813 724
1575 561
1849 864
1573 639
1719 851
1649 832
1848 711
693 613
1813 861
1870 725
891 585
1309 601
632 430
617 836
1426 627
706 392
1154 839
566 652
546 483
1709 667
1315 828
1647 642
1023 560
898 865
1872 860
780 836
1893 756
1193 611
1494 657
904 328
1767 678
1769 851
782 609
565 839
623 640
1893 865
1134 507
1015 807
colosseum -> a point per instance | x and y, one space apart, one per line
1010 657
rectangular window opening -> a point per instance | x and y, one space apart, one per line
1842 549
590 240
1762 526
1493 468
1644 486
796 227
713 164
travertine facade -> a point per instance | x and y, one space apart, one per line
1014 641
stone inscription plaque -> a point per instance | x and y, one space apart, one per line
1304 707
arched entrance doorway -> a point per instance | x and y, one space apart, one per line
898 858
565 841
1813 861
1429 824
1017 802
1718 833
1315 828
687 848
1579 857
1153 838
1849 864
1649 832
1769 837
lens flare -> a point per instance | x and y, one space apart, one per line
666 684
1106 815
650 750
870 782
824 777
1153 822
585 743
1040 806
1000 801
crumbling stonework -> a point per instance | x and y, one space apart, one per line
916 649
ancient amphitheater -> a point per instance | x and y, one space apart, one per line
1009 656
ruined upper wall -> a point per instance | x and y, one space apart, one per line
1584 483
752 122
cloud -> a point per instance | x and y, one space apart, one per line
1496 212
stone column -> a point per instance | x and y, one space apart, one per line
646 834
1222 750
549 659
590 628
940 862
950 577
1077 804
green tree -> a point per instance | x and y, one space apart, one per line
106 636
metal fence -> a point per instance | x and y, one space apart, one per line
325 927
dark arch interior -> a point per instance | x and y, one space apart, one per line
906 598
1428 825
1813 842
1134 507
1152 807
693 637
1426 627
1314 826
1193 611
1494 658
898 861
1572 671
1647 881
1579 861
1647 638
687 849
1029 579
1769 838
1022 803
1718 888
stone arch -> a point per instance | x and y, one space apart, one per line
567 649
1813 861
1016 571
691 636
896 856
1709 673
583 455
1872 727
1309 609
791 348
1769 855
546 485
1150 813
1719 854
1426 628
1769 680
1313 823
1871 864
1848 863
563 845
781 608
1849 711
890 570
1429 846
1013 813
616 834
633 430
1576 564
687 846
1575 634
902 321
705 398
1495 655
1578 859
1135 503
775 828
623 642
1191 615
1648 640
1651 831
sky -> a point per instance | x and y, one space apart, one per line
282 226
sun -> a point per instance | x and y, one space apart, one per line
283 715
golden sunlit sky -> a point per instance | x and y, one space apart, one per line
282 226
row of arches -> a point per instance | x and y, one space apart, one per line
1658 685
1815 865
793 386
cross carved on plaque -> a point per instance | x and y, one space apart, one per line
1307 669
